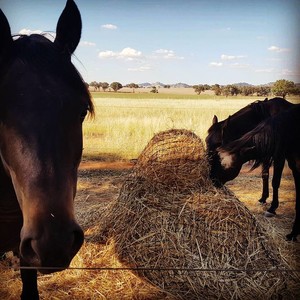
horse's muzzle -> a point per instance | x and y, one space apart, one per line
51 251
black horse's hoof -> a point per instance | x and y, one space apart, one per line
269 214
262 201
291 237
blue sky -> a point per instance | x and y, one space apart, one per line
214 41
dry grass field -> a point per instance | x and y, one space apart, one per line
120 131
125 122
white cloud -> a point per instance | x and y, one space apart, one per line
167 54
107 54
49 35
239 66
130 52
87 44
278 49
140 69
26 31
231 57
109 26
127 54
216 64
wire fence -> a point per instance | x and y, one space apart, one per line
151 269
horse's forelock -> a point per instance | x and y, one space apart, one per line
39 52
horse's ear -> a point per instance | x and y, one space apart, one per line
5 35
215 119
68 29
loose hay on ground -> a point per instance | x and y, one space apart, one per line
192 241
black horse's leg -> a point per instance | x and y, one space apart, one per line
265 179
29 281
296 227
278 168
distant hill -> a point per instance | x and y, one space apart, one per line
145 84
242 84
180 85
160 84
184 85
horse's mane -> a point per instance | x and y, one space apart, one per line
38 52
260 108
263 137
257 110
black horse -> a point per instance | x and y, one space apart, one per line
43 102
232 128
273 141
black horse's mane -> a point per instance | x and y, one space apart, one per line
266 139
38 52
260 109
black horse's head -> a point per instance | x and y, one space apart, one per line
214 140
43 102
223 132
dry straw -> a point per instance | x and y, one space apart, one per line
190 239
174 158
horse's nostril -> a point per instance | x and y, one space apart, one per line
28 253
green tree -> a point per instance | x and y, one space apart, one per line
283 87
225 90
263 91
296 90
230 90
133 86
98 85
206 87
199 88
105 86
217 89
247 90
116 86
154 90
94 84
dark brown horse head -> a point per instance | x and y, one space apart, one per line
234 127
43 102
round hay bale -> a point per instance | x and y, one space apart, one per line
175 158
195 245
185 236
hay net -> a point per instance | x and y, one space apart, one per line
192 241
174 158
